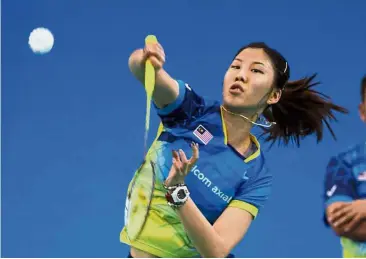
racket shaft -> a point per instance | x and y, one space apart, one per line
149 86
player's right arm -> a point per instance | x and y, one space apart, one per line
166 88
176 102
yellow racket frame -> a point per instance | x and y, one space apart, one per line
149 87
137 213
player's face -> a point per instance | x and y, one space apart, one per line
362 109
248 82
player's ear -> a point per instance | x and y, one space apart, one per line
362 111
275 96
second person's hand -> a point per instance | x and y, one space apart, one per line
348 215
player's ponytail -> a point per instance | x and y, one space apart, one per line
301 110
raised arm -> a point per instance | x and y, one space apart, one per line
166 88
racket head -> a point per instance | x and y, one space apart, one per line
139 199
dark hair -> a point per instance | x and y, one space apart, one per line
301 110
363 88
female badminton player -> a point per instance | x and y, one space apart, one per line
205 171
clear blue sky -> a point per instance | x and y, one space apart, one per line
73 120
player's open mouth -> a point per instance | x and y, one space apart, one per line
236 89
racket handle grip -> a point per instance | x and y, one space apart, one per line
151 39
149 69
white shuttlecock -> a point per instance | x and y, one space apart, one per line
41 40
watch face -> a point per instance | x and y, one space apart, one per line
181 194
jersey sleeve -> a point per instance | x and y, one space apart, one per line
339 183
252 195
187 107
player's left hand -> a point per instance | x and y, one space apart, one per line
348 215
181 165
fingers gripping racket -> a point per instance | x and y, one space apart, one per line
141 189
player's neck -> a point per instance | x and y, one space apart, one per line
238 132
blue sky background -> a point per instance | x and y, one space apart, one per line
73 120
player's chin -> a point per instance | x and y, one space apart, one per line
234 105
233 101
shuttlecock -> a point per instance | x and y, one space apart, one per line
41 40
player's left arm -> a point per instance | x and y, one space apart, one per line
230 228
218 240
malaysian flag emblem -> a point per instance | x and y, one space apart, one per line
203 134
362 176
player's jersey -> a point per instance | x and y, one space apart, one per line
221 177
346 181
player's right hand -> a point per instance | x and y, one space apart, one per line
155 53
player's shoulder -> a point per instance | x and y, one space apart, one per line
263 168
209 105
351 154
259 168
342 162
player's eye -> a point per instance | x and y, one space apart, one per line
235 67
254 70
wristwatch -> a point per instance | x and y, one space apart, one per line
177 195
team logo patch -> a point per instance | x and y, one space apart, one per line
203 134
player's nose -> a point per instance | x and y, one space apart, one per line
241 76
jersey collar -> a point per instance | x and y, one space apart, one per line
252 137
